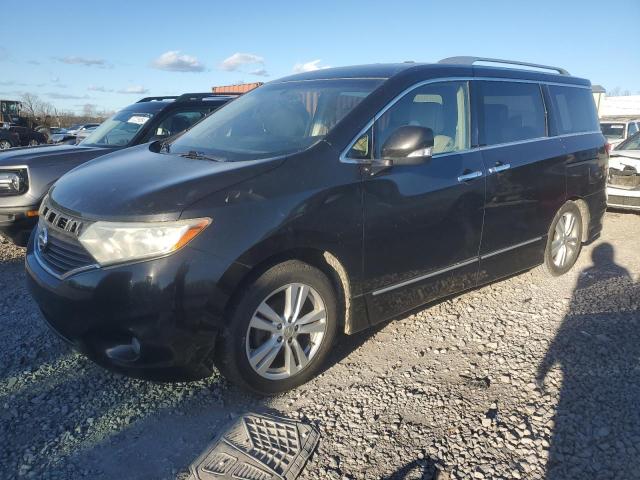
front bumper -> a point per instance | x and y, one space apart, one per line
623 191
16 225
155 319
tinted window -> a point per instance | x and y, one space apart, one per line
633 128
442 107
574 108
275 119
510 112
176 122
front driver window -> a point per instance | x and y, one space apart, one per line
177 122
442 107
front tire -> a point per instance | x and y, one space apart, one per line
280 329
564 240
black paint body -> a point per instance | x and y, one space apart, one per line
386 226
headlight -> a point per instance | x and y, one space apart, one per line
116 242
13 181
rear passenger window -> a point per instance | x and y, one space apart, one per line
510 112
574 109
442 107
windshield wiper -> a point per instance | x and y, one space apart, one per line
198 156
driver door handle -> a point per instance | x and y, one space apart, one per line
500 167
467 175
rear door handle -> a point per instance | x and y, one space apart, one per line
465 177
500 168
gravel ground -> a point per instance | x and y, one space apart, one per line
525 378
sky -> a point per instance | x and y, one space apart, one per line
111 53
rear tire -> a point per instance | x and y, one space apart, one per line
280 329
34 143
5 145
564 241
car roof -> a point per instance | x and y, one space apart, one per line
389 70
158 105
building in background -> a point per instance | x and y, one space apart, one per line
235 89
616 107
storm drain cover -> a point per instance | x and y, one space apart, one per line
257 447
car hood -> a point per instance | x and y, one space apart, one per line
49 154
138 184
624 158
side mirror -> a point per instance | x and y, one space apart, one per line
408 145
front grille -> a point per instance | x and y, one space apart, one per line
62 252
626 201
63 255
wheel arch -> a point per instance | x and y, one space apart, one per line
584 214
325 261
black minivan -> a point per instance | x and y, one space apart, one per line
319 203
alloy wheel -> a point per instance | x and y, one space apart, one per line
33 143
564 246
5 145
286 331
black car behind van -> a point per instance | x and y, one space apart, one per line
27 174
320 203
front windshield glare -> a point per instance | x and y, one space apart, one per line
118 130
277 119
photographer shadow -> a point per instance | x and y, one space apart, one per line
596 429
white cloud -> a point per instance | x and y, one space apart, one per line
98 88
173 61
137 89
260 72
87 62
236 61
64 96
309 66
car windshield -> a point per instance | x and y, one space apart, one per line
632 143
613 131
277 119
118 130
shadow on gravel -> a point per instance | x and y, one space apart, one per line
418 469
596 432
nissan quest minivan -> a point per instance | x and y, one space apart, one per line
320 203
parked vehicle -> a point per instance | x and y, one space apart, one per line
60 135
75 129
28 136
322 202
623 189
84 132
8 139
616 131
151 118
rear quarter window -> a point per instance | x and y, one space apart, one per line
574 110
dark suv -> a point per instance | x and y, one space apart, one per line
28 173
319 203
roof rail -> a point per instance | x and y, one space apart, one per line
151 99
186 97
472 60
